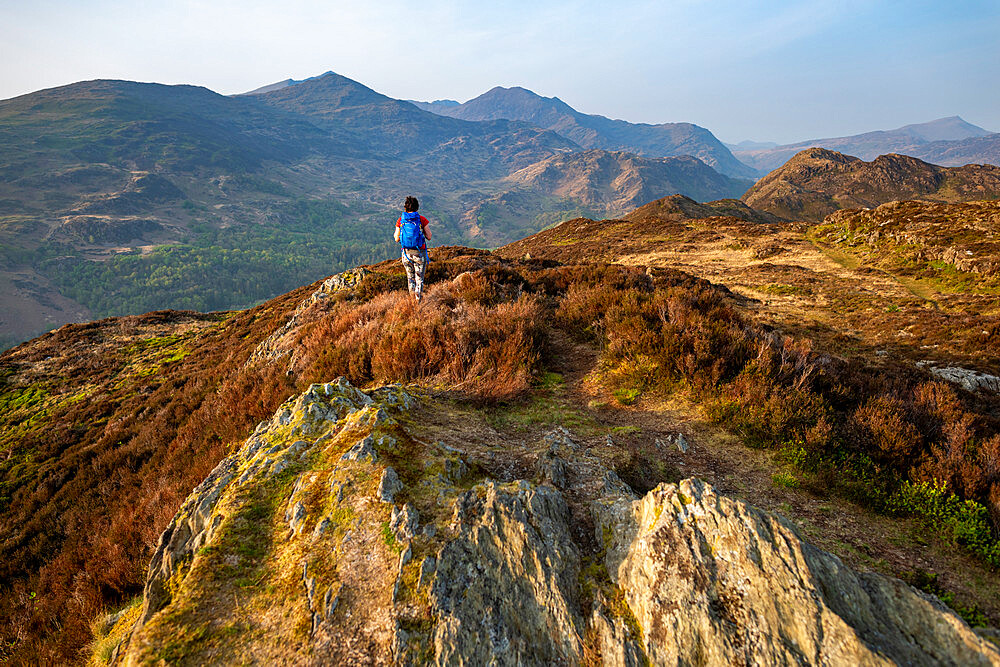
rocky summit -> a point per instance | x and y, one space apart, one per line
817 182
339 533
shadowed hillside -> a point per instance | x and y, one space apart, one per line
817 182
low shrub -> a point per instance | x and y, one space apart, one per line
880 437
963 522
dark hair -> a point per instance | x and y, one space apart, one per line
411 205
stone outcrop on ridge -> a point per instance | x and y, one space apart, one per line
294 551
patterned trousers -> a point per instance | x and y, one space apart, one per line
415 263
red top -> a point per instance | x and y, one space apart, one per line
423 223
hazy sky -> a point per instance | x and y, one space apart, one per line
782 71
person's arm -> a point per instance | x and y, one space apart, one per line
396 233
424 224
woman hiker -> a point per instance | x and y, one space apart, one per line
412 234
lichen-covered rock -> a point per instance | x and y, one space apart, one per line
233 500
404 522
560 437
619 648
364 451
389 485
712 580
552 469
306 547
969 379
505 588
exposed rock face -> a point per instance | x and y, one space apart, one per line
968 379
195 525
712 580
292 552
506 587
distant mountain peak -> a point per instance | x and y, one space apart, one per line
924 140
329 90
271 87
595 131
950 128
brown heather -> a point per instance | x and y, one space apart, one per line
97 482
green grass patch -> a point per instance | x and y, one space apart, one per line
389 538
22 398
545 404
626 395
962 522
785 480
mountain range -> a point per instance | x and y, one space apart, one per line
111 191
947 141
122 197
594 131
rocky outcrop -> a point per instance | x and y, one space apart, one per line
945 238
506 587
969 379
334 536
267 453
816 182
712 580
142 191
279 343
105 229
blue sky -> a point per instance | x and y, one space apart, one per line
782 71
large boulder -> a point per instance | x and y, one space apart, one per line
713 580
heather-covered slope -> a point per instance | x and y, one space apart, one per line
121 419
817 182
593 131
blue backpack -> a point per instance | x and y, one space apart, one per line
410 234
